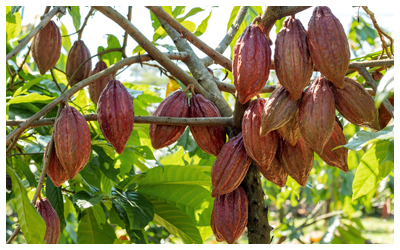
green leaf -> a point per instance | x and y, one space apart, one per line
65 39
55 197
176 222
279 24
130 180
187 142
203 26
85 199
191 26
386 85
32 224
113 57
27 172
106 185
138 209
34 97
89 231
178 10
362 138
15 9
367 175
76 16
189 14
390 153
13 24
99 215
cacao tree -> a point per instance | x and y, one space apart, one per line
232 147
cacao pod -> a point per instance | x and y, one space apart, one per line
291 130
251 63
50 217
276 172
328 45
356 105
46 47
72 141
175 105
298 160
293 63
209 138
230 215
98 86
115 114
336 157
230 167
278 110
76 56
317 114
55 170
260 148
217 234
384 116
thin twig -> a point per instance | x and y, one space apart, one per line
84 23
38 153
54 79
59 70
47 10
123 50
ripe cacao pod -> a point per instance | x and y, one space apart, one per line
209 138
276 172
251 63
98 86
76 56
317 114
50 217
230 215
115 114
261 149
356 105
279 109
328 45
293 63
46 47
384 116
55 170
217 234
72 141
230 167
298 160
175 105
291 130
336 157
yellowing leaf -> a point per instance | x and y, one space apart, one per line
172 86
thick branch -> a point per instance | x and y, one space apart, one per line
39 27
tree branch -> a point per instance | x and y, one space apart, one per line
123 50
39 27
84 23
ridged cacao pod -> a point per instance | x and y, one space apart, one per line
317 114
50 217
356 104
217 234
209 138
328 45
230 167
279 109
293 63
337 157
72 141
98 86
291 130
251 63
230 215
115 114
76 56
55 170
175 105
384 116
276 172
46 47
261 149
298 160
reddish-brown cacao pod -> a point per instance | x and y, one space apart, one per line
279 109
50 217
317 114
76 56
175 105
328 45
261 149
115 114
251 63
230 167
98 86
230 215
384 116
72 141
217 234
55 170
298 160
209 138
336 157
276 172
46 47
291 130
356 104
293 63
